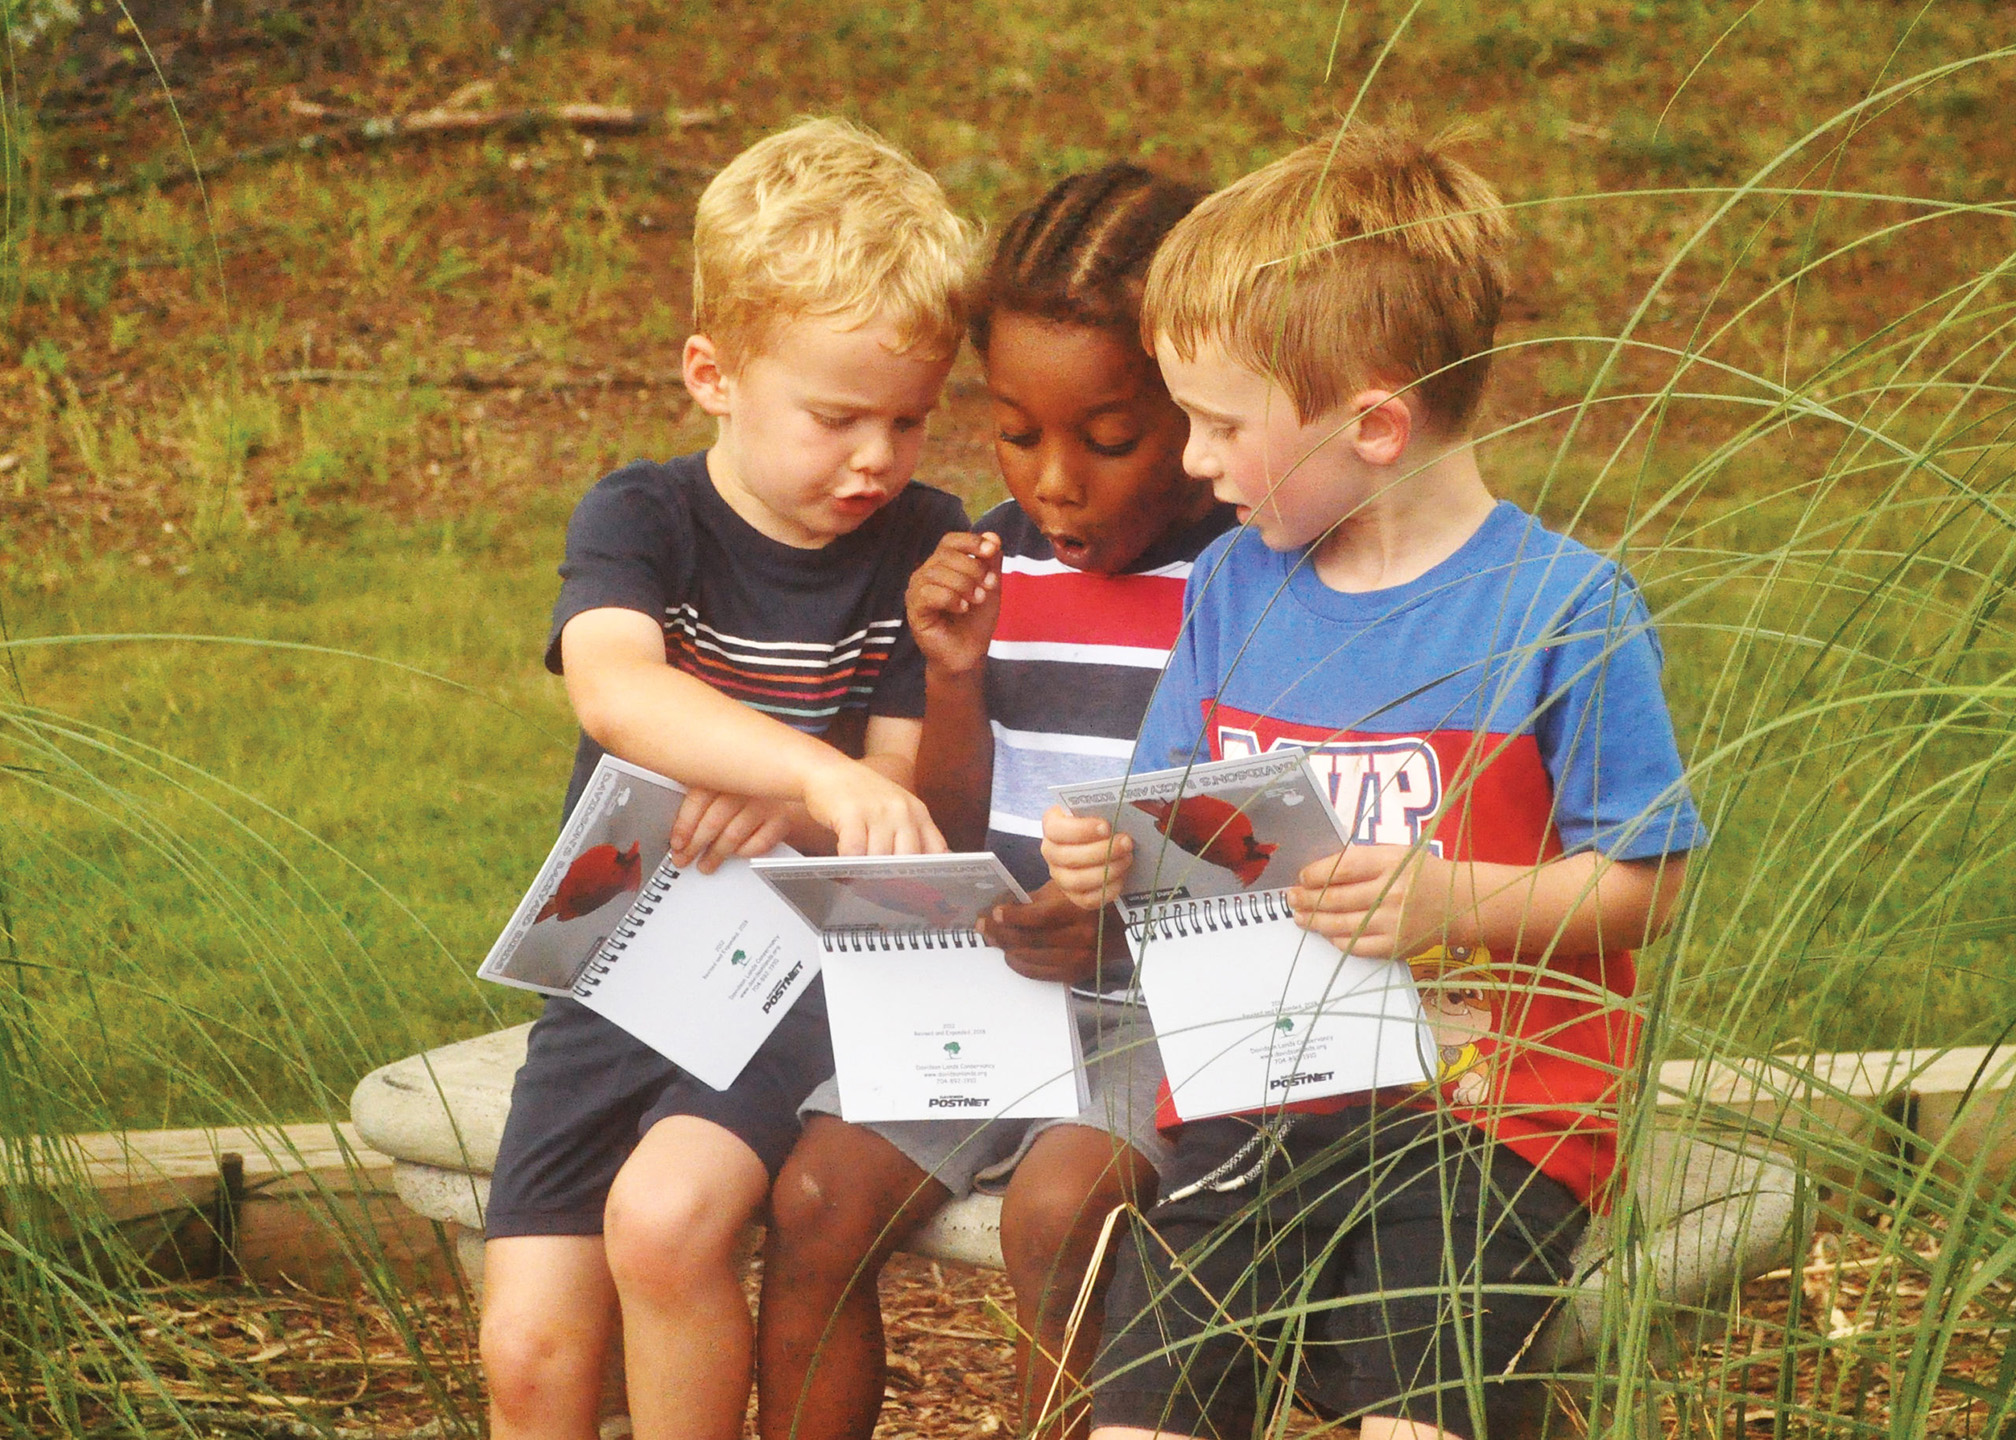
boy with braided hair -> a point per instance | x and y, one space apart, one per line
1043 633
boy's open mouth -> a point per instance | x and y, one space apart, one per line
1069 548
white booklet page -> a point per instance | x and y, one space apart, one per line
699 967
1250 1009
928 1021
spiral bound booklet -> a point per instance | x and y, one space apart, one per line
699 967
928 1021
1250 1010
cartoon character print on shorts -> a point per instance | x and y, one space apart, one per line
1457 990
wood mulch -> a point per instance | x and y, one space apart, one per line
287 1365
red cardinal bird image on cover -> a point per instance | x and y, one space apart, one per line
917 898
1214 831
598 875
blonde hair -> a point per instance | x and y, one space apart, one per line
826 219
1369 258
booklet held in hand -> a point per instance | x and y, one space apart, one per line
1250 1009
928 1021
699 967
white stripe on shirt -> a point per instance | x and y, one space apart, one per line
1139 656
1014 824
1062 743
1024 565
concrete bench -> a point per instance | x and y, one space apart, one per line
1710 1215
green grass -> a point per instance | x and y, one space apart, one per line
284 851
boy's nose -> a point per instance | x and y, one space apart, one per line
876 453
1054 481
1197 460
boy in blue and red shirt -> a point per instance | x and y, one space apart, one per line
1483 695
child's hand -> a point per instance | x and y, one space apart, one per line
1087 860
868 813
954 599
1048 939
1373 900
711 826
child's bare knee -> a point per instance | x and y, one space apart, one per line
844 1198
1048 1226
805 1203
679 1207
668 1239
818 1219
536 1364
1055 1210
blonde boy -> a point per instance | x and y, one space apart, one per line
732 619
1484 697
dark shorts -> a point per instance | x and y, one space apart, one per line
588 1091
1401 1238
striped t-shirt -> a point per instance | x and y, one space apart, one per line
815 638
1074 661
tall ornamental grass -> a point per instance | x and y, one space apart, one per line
1817 499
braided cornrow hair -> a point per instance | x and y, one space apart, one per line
1080 254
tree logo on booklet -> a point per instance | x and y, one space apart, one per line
951 1047
740 957
1285 1025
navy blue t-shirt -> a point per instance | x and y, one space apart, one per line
815 638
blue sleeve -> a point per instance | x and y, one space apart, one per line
1172 732
1606 738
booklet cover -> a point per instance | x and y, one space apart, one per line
928 1021
892 892
699 967
1250 1009
1221 827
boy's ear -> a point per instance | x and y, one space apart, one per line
707 380
1385 425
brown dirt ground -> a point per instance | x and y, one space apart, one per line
327 297
340 1363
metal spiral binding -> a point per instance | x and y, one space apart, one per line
649 898
861 938
1174 919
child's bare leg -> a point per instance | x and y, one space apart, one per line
549 1313
844 1200
1071 1179
675 1221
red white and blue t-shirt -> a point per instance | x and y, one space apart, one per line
1075 659
1505 707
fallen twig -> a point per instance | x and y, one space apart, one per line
389 129
277 1427
1828 1267
463 380
945 1334
147 100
